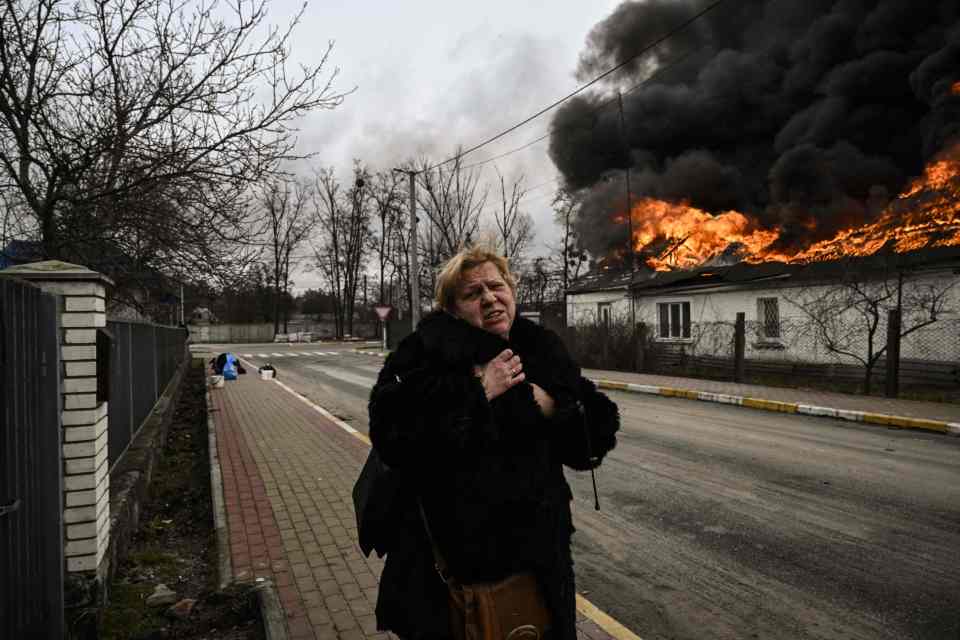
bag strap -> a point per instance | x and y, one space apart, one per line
439 563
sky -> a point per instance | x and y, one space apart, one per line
433 75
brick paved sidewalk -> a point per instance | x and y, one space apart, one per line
910 408
287 474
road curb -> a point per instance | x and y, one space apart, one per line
224 569
271 611
882 419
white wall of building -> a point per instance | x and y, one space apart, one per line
713 312
587 308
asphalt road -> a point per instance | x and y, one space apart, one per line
724 522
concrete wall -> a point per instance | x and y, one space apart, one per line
231 333
240 333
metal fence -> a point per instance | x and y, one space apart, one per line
31 525
843 355
143 358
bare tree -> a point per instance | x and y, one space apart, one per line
399 259
329 252
452 199
387 193
533 283
514 227
288 223
357 233
345 224
139 125
566 259
572 258
14 221
849 318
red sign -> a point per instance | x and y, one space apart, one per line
383 312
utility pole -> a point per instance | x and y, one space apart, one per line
414 274
630 256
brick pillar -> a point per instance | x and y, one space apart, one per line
86 478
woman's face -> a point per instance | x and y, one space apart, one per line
485 300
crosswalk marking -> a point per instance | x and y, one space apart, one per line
290 354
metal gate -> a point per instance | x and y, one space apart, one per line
31 510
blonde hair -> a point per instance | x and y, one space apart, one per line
452 271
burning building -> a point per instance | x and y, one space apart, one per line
767 138
768 130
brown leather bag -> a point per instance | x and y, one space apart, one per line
510 609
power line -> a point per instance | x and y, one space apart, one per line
503 155
600 106
580 89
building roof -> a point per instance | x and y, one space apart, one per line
746 274
611 280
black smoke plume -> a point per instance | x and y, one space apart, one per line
806 115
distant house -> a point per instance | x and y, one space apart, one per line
19 252
600 297
202 315
821 312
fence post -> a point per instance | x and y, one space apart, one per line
639 346
83 417
739 346
893 353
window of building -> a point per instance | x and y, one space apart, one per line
674 319
768 317
603 313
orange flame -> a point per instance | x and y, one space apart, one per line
926 214
687 235
955 89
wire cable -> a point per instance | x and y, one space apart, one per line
582 88
600 106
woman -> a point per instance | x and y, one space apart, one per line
478 410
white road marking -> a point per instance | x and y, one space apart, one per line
277 355
326 414
247 355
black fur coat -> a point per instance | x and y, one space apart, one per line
489 474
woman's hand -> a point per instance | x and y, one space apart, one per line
543 399
501 373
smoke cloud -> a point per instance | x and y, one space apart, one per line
808 116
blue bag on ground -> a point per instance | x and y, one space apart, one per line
230 367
